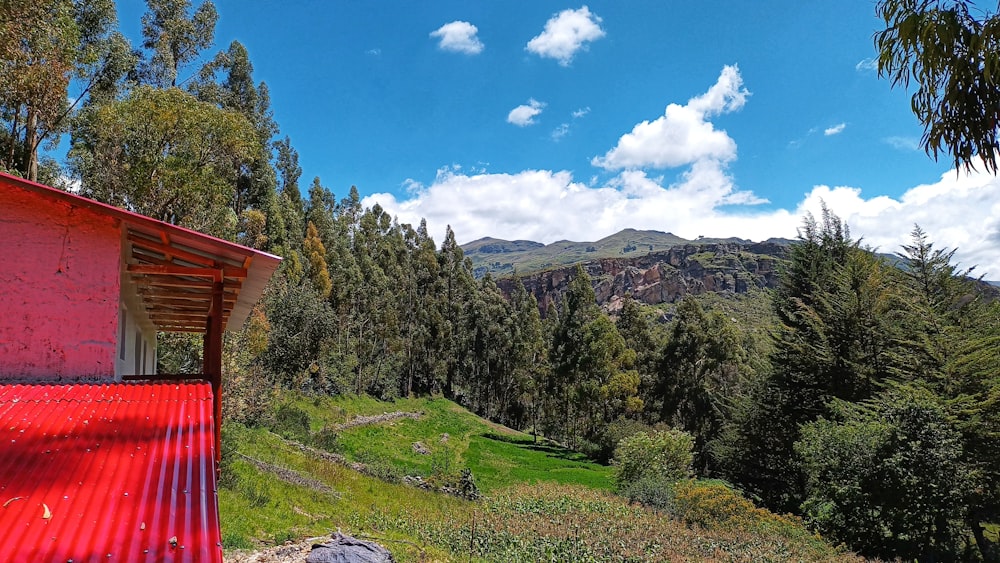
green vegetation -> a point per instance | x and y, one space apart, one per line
542 501
947 49
862 394
498 257
664 454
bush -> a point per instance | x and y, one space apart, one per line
247 397
663 454
713 505
227 473
291 423
605 442
327 439
651 491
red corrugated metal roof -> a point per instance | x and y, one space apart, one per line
108 472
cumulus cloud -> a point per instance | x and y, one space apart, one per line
560 132
565 34
581 112
546 206
958 211
835 130
524 115
682 135
459 37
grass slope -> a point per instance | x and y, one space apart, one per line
541 502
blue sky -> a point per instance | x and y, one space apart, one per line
553 120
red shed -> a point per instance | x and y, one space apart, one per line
85 288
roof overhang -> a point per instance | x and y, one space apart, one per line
175 270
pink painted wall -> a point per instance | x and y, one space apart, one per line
59 289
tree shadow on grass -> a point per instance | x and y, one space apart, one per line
551 449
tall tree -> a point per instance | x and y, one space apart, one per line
593 380
235 91
175 35
175 167
635 326
44 44
833 342
529 356
316 257
699 370
288 167
458 284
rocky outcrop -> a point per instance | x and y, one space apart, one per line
666 276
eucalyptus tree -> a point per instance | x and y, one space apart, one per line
175 33
227 80
950 50
44 46
593 380
699 370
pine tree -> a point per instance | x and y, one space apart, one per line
833 342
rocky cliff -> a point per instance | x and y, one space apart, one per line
665 276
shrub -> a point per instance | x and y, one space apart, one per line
662 454
227 473
247 397
605 442
651 491
291 422
713 505
327 439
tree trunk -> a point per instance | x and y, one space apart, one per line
986 548
31 144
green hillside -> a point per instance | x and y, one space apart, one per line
501 257
324 463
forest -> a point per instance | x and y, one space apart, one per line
863 394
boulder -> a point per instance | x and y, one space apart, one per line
347 549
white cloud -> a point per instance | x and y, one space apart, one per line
373 52
581 112
524 115
903 143
560 132
546 206
867 65
958 211
565 34
682 135
835 130
459 37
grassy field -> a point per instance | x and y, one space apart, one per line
540 502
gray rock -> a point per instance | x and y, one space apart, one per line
347 549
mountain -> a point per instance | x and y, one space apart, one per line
664 276
501 257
